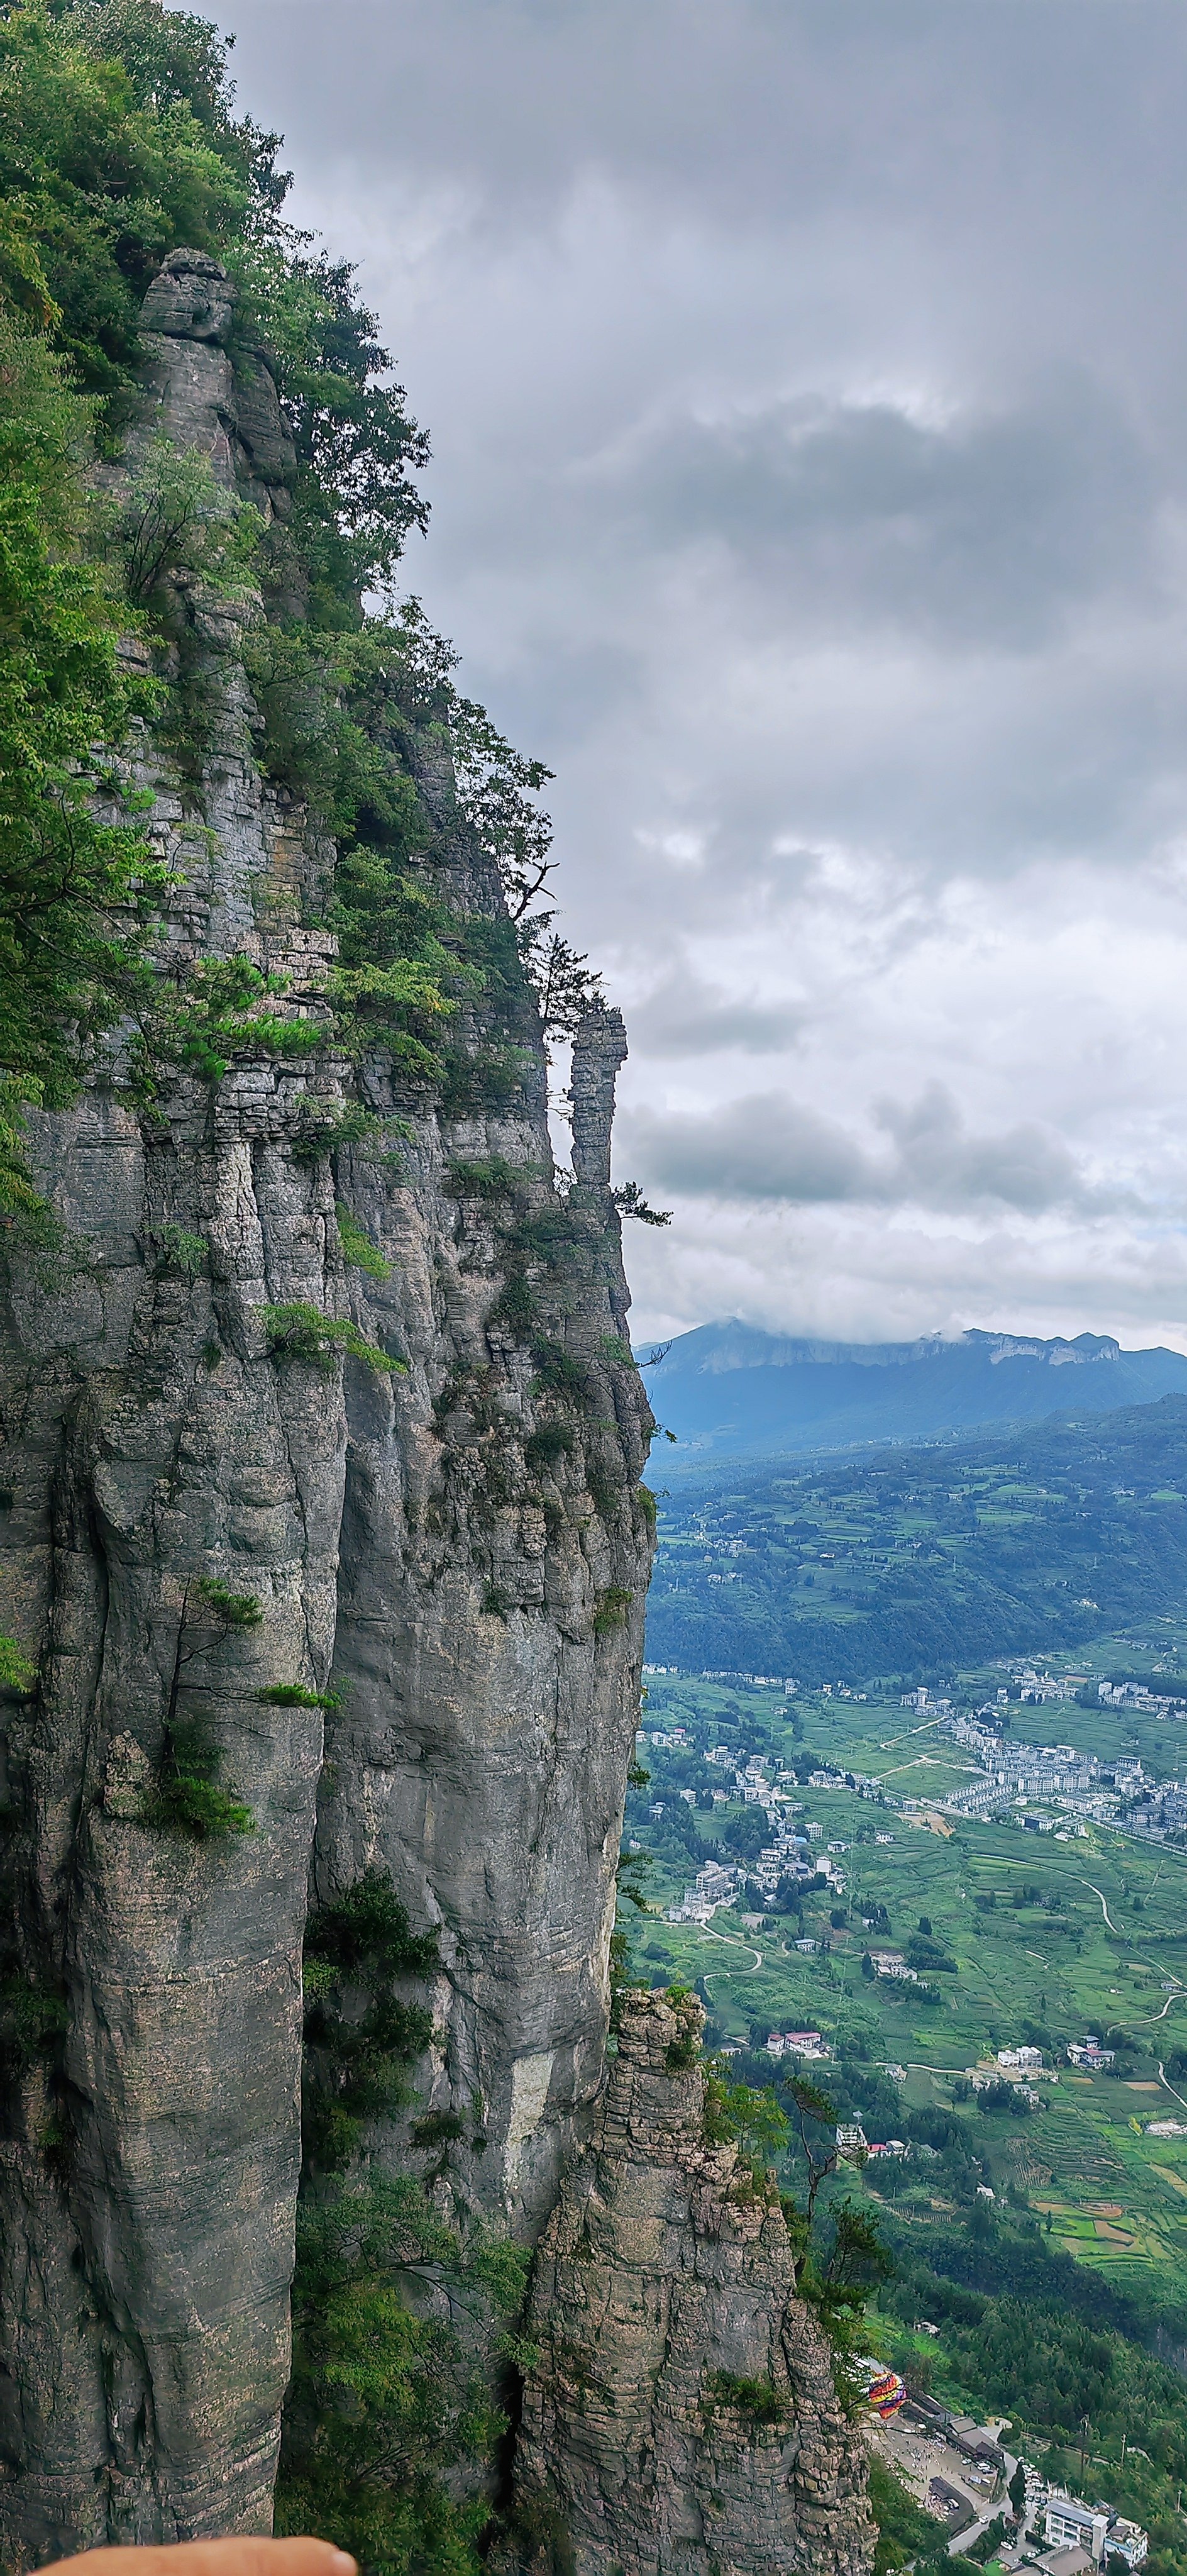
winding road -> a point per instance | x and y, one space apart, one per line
729 1943
1179 1998
1099 1891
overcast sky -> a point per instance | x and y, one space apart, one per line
807 385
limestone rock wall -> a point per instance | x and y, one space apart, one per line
472 1585
682 2415
481 1612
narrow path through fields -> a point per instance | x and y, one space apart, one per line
1180 1998
1099 1891
729 1943
886 1743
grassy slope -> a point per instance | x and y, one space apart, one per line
919 1560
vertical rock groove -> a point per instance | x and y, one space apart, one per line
393 1538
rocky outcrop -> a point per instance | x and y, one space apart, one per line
682 2413
599 1052
477 1605
202 398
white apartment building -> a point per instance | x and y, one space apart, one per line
1095 2528
1068 2524
978 1798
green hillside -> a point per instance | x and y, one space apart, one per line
920 1561
1064 2297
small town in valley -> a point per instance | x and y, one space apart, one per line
878 1849
989 2495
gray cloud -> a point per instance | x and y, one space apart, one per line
989 529
763 1147
685 1016
806 388
770 1147
941 1164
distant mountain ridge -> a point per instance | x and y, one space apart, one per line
733 1391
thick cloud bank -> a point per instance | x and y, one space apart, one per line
808 391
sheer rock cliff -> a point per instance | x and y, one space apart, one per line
444 1558
154 1440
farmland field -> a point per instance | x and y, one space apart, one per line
1024 1919
915 1561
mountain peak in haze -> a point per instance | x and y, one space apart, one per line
731 1390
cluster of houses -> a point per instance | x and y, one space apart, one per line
1070 1788
721 1882
892 1964
1088 2052
1021 2066
1076 1787
807 2044
854 2148
1083 2536
1055 2531
1136 1695
1065 2537
790 1854
1162 1813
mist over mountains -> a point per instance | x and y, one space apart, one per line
732 1391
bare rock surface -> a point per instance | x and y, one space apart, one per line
480 1615
445 1563
682 2414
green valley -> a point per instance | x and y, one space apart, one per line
1021 2217
919 1561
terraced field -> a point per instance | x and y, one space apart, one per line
1022 1917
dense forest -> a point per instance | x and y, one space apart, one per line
921 1560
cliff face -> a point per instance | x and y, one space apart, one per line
478 1611
682 2413
321 1521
